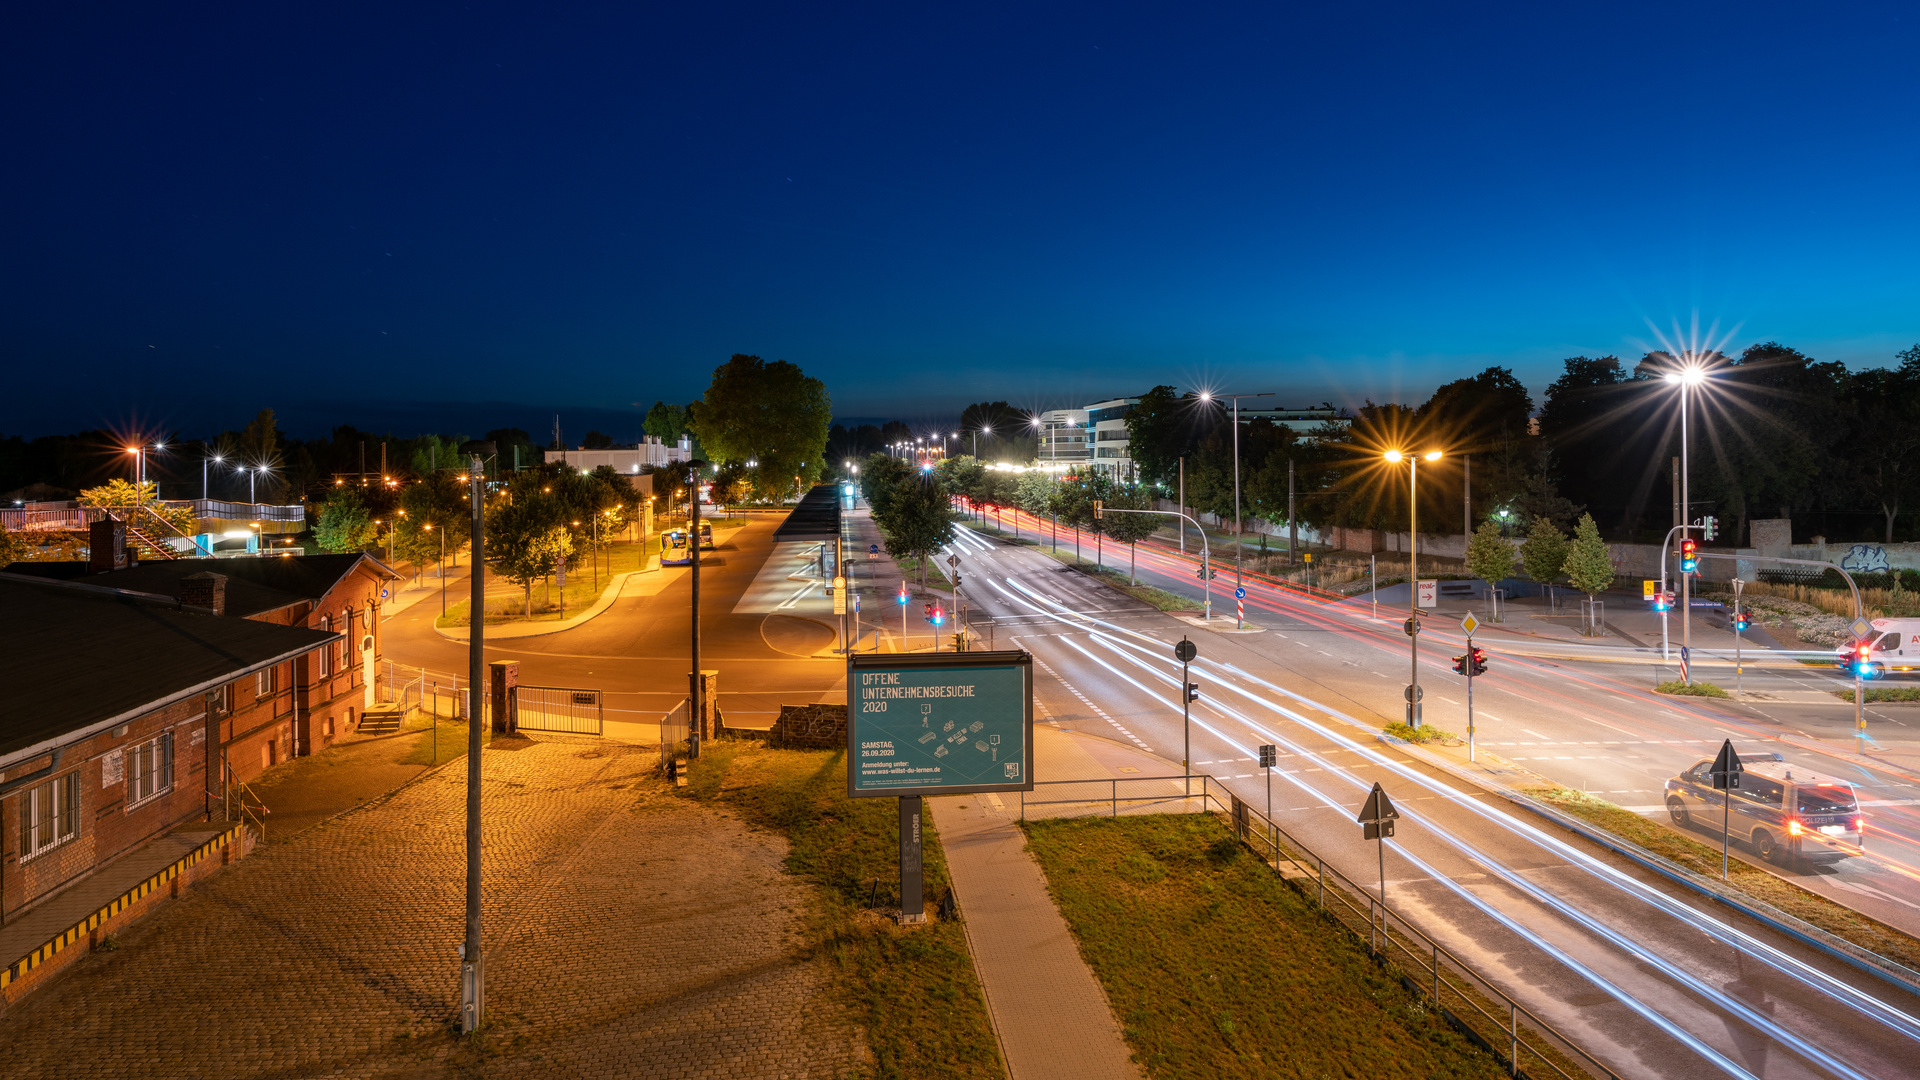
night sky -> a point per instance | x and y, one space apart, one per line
374 213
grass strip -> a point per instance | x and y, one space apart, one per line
1216 968
1699 689
913 988
1704 858
1106 575
1883 694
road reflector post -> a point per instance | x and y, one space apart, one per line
1269 755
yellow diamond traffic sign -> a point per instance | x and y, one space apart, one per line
1469 624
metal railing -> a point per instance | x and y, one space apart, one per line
674 729
79 517
1466 1000
559 708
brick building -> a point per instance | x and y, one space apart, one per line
104 729
312 700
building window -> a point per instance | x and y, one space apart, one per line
149 770
263 682
220 700
326 651
50 815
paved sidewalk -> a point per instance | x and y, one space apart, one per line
1051 1015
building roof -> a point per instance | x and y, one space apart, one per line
254 586
81 656
816 518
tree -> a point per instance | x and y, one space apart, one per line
1161 430
527 533
123 495
12 548
1544 552
258 447
919 518
345 524
665 422
1034 493
1073 501
1490 555
596 440
772 413
1589 564
1005 433
1130 529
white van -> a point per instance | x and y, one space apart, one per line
1895 649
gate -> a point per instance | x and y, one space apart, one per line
559 708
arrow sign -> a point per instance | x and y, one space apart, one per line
1240 593
1726 768
1686 664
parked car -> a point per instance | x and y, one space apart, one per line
1895 648
1783 811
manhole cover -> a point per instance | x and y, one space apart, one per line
589 754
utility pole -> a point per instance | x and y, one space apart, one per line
1466 530
472 969
698 716
1183 506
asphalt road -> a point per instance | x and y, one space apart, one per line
1585 716
636 652
1630 967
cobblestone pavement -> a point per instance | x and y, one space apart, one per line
628 933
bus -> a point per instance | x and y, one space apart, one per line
673 549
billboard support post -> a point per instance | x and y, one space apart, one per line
913 908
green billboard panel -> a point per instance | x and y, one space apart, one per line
939 723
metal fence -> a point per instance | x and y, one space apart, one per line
559 708
1469 1002
674 729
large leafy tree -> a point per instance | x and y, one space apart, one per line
345 524
1884 449
1005 433
528 532
1162 429
1131 528
1589 563
916 515
665 422
771 413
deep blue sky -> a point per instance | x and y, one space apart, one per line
350 211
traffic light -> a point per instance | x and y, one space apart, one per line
1689 555
1205 573
1741 621
1712 526
1663 601
1193 692
902 598
1478 666
926 612
1863 660
1460 664
939 615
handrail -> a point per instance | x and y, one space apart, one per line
1387 930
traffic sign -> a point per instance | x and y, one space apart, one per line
839 596
1429 593
1686 664
1726 768
1469 624
1240 593
1184 651
1861 629
1411 626
873 551
1414 693
1268 756
953 560
1647 588
1378 815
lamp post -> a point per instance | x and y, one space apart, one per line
216 458
1394 457
976 441
1688 377
1208 396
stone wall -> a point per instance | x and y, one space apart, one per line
819 726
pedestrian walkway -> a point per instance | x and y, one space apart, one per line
1049 1011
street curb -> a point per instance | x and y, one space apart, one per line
1890 971
506 631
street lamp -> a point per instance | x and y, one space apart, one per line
1686 378
1208 395
217 459
441 566
140 470
1395 457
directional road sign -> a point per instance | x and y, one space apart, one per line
939 723
1428 593
1240 593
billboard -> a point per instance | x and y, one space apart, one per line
939 723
